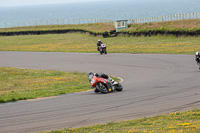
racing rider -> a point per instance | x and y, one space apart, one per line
99 44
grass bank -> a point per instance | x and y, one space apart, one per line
97 27
86 43
177 122
176 28
21 84
179 25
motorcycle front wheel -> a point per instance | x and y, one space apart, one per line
102 88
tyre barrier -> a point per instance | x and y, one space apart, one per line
112 33
16 33
163 33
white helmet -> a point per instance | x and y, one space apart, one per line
197 53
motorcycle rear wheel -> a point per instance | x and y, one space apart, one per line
119 87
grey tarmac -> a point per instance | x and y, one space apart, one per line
153 84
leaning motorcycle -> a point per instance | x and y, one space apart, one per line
102 49
99 84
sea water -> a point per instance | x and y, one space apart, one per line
110 9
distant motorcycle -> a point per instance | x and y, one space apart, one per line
100 84
102 49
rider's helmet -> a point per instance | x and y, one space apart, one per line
99 40
197 53
90 73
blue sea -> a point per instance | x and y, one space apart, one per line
111 9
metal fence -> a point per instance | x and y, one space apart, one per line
166 18
57 22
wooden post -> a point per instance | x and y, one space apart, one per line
189 15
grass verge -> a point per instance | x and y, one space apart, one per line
177 122
86 43
21 84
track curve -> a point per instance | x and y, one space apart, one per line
153 84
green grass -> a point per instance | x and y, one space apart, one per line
178 122
86 43
21 84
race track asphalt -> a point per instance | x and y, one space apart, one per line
153 84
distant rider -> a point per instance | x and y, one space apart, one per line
99 44
103 75
197 58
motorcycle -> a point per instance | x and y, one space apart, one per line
102 49
99 84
